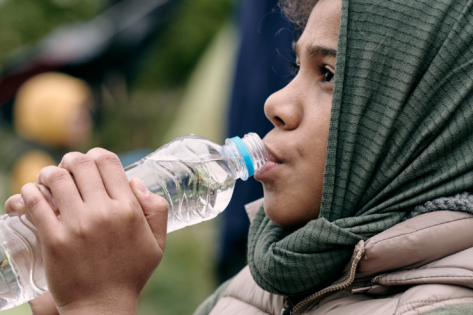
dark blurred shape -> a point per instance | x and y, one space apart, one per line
262 69
113 41
131 157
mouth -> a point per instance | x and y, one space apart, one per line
272 163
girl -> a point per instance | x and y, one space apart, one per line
371 144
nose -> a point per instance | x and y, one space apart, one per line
284 108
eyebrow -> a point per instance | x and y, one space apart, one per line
316 50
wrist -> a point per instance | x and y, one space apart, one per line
104 306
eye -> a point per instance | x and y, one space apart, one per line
328 74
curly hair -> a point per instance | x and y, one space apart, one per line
297 11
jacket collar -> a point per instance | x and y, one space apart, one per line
417 242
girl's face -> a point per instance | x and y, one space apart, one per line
293 177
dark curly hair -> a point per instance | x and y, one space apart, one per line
297 11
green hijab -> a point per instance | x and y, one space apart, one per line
401 134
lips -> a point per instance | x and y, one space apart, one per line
272 163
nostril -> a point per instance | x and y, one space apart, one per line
279 121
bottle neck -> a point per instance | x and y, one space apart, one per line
245 156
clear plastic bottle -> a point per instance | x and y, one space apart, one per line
21 266
197 176
194 174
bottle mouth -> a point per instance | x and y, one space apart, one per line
257 150
253 151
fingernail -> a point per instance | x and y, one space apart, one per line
48 195
53 204
22 202
143 188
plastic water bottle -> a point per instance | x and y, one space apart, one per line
197 176
194 174
22 275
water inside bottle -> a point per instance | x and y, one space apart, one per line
195 190
10 290
21 267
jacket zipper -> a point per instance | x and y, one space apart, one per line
340 284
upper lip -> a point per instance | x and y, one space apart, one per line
271 156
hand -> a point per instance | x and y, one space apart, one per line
44 304
101 246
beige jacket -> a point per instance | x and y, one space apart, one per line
412 268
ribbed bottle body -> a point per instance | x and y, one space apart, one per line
192 175
22 275
195 191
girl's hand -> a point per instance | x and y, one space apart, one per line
101 238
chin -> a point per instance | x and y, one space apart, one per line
289 215
281 215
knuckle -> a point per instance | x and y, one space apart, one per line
32 202
55 245
96 151
81 231
134 204
129 212
58 174
46 170
108 158
82 160
103 156
77 159
69 157
133 207
25 189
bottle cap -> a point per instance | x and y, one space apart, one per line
245 154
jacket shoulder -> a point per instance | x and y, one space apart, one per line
208 304
244 296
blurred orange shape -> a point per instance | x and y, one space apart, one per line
27 168
53 109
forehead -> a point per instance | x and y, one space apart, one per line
322 27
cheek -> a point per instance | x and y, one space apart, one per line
293 202
294 198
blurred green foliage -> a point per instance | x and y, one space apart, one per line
175 53
24 22
136 120
185 276
150 107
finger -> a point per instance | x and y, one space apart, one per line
112 173
63 188
49 197
14 203
86 175
155 209
40 211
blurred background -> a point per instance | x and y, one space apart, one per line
129 76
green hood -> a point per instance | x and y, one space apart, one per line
401 134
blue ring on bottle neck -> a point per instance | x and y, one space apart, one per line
245 154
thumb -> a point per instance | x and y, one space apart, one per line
155 209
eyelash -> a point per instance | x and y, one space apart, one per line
326 72
296 67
